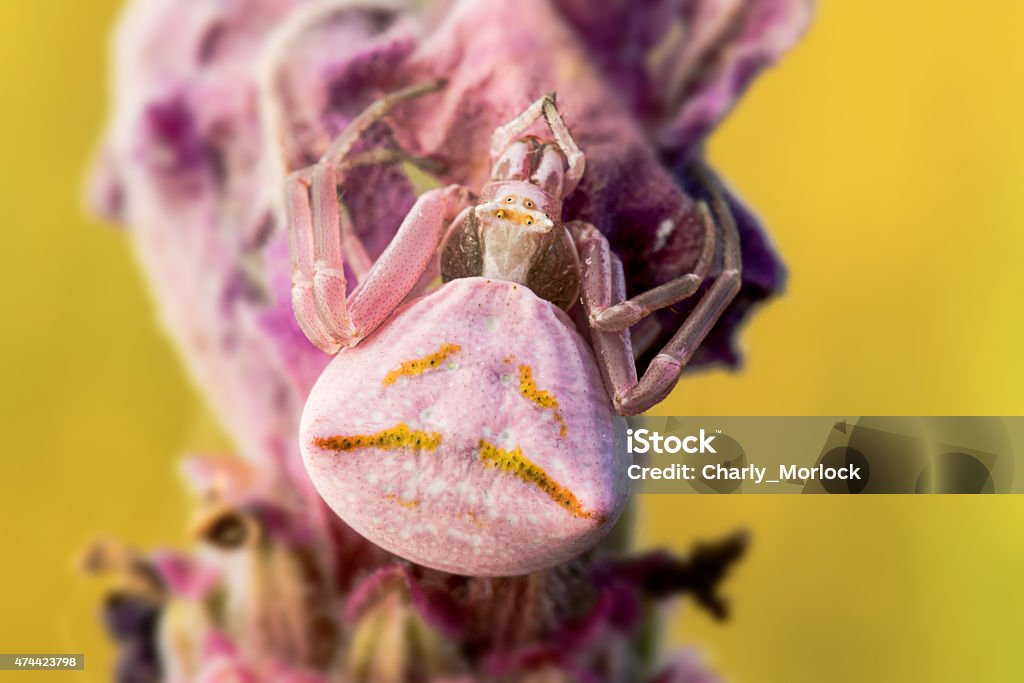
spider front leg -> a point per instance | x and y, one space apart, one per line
321 236
513 130
603 289
299 219
330 318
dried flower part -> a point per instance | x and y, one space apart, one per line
682 64
185 627
276 595
399 631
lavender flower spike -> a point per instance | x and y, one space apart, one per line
213 105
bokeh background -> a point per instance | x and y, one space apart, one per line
886 154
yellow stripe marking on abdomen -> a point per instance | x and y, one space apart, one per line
399 436
540 397
418 366
514 462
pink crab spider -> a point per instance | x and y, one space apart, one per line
470 429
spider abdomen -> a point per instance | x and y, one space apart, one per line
471 433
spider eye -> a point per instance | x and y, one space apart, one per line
529 204
500 214
529 221
508 199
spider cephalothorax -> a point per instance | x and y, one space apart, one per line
515 232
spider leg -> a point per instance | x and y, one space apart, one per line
273 105
339 156
603 281
603 287
342 145
356 255
322 239
513 130
631 311
330 286
573 154
398 270
349 319
299 219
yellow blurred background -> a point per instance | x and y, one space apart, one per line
886 155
